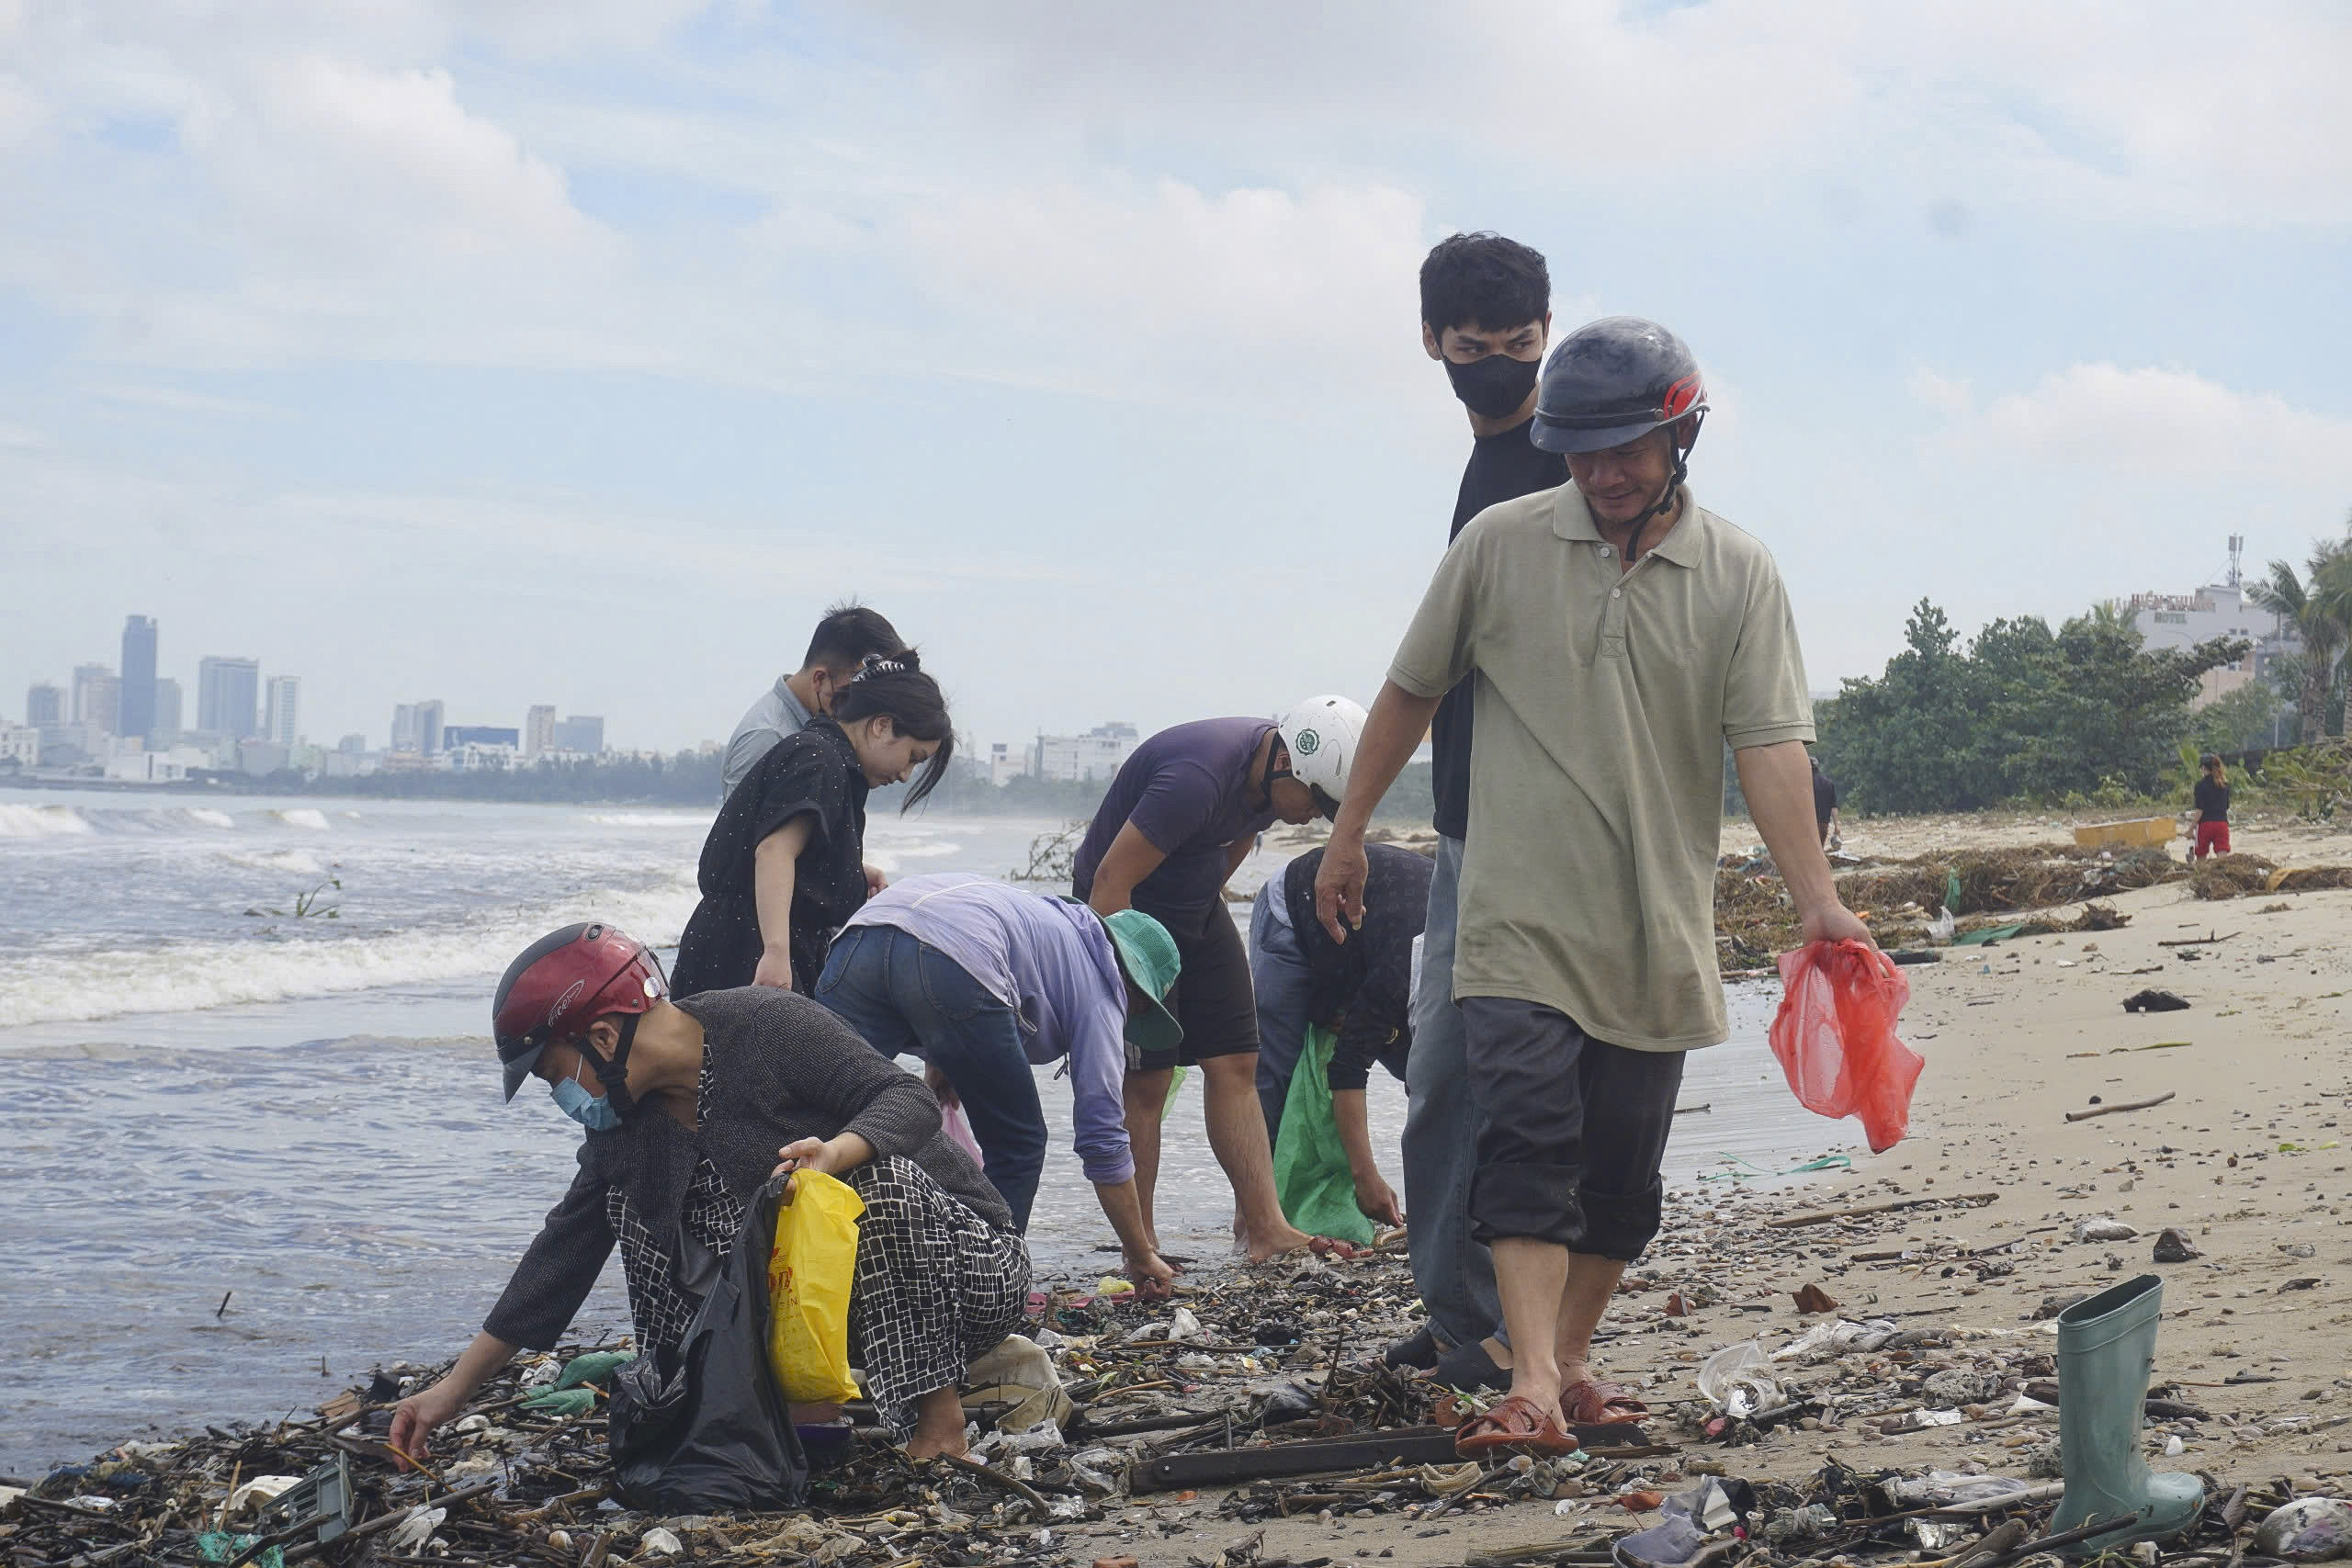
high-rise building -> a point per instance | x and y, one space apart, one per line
1097 754
353 745
428 727
44 704
137 676
227 693
282 724
584 733
167 707
404 728
97 697
538 730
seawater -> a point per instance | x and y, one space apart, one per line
215 1096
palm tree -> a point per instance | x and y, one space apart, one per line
2319 606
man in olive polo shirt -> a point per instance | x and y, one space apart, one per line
1621 636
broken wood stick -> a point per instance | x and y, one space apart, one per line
1324 1456
1827 1216
2208 940
2090 1110
1013 1483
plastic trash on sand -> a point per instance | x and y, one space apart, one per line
1944 1488
1019 1371
2309 1529
261 1489
411 1534
219 1546
1942 929
1835 1037
1736 1381
1690 1518
1824 1341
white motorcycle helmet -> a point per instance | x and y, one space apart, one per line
1322 733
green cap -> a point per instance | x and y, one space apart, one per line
1147 953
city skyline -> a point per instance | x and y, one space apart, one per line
236 699
231 687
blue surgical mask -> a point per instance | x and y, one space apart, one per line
593 1112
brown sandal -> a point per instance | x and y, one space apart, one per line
1591 1404
1517 1423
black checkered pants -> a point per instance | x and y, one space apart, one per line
936 1287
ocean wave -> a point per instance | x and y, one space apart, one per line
193 975
649 819
42 822
18 821
293 860
890 858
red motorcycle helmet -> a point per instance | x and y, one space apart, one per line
563 983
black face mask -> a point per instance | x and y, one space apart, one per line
1495 386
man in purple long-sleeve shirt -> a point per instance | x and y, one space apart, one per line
984 981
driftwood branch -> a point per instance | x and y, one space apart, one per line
1827 1216
2086 1113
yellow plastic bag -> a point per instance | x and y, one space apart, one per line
809 1270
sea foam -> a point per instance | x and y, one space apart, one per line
190 976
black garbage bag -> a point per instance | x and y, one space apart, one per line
704 1430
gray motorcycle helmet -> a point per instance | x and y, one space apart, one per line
1613 380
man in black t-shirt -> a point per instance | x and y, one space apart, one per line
1485 315
2212 814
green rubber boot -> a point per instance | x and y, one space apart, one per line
2106 1346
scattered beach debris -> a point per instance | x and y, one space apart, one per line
1258 1397
2153 1000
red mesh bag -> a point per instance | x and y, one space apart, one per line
1835 1036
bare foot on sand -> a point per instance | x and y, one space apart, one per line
939 1426
1277 1243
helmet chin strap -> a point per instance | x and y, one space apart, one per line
1666 497
613 1075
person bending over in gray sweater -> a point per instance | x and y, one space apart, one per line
690 1105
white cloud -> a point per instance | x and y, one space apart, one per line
1131 279
2142 420
2162 109
374 170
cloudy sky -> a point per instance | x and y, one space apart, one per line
578 351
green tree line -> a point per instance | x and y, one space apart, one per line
2022 712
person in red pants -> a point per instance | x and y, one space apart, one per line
2211 815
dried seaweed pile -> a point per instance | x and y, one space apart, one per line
2006 881
2232 876
1754 920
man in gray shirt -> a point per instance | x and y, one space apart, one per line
844 638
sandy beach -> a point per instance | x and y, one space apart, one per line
2249 1158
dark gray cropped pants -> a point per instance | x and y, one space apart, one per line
1575 1129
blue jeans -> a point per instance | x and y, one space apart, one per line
909 999
1456 1273
1278 975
